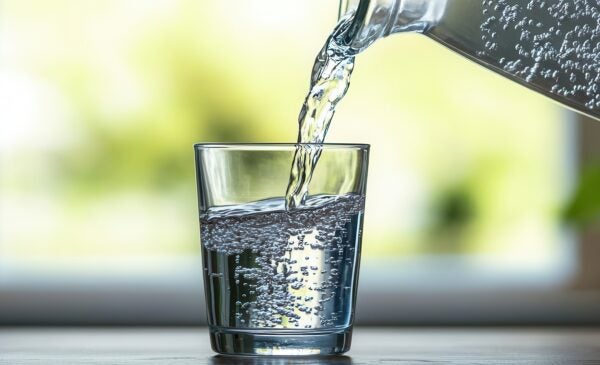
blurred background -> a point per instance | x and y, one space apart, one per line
483 205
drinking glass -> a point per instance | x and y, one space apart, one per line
277 281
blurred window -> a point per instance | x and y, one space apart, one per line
101 103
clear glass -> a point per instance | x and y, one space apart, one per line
277 281
551 47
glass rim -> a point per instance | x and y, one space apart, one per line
278 145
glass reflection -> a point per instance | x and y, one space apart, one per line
279 360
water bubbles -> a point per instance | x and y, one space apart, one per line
272 253
554 45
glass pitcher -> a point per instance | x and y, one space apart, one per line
550 46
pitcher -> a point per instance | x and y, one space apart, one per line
550 46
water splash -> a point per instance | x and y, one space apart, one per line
330 79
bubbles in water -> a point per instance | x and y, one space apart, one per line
555 44
269 256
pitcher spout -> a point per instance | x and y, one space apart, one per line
374 19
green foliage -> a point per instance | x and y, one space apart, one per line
453 214
463 161
584 208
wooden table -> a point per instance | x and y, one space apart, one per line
178 346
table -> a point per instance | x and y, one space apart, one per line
189 345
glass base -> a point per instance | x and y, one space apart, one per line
279 342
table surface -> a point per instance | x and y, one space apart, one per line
178 346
